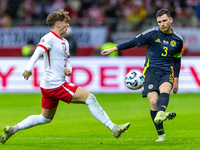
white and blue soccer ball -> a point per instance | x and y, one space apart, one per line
134 80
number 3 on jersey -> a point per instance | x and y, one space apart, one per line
165 53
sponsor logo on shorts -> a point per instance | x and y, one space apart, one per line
150 86
71 84
171 79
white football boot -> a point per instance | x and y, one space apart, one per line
161 138
119 129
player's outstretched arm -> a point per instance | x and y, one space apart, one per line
36 55
108 51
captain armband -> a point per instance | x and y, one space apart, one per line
178 55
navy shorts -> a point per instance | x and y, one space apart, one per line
154 80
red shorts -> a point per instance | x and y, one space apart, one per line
51 97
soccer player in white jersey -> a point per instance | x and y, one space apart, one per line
55 50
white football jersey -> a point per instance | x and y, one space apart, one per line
56 58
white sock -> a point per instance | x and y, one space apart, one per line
31 121
98 112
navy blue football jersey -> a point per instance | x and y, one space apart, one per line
161 48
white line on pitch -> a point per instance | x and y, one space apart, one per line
108 139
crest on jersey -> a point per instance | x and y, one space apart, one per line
173 43
42 41
150 86
64 46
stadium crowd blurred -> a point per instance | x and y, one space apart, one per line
118 15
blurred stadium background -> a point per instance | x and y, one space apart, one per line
93 23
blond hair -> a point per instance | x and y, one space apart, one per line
55 16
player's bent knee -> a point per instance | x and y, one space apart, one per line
153 103
45 120
91 99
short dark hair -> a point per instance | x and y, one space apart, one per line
55 16
162 12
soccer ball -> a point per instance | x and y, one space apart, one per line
134 80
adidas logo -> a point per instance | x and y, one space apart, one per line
158 40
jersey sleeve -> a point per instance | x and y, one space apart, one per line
144 38
177 66
178 52
36 55
139 40
177 59
46 43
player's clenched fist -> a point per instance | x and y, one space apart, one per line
67 72
27 74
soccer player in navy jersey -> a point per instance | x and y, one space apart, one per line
164 47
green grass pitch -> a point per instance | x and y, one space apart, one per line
74 127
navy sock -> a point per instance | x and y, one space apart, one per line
163 101
159 127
